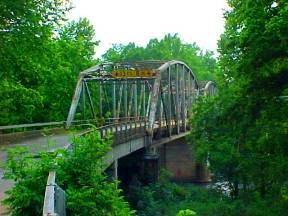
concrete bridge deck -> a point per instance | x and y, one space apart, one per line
36 144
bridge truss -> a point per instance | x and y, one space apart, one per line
159 92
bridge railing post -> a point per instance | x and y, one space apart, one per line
135 125
54 200
130 125
126 129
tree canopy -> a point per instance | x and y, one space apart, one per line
170 47
41 56
243 129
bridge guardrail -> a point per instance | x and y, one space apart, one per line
54 199
62 123
10 128
12 133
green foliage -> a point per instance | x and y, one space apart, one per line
15 99
41 57
78 172
186 212
30 176
164 199
170 47
243 129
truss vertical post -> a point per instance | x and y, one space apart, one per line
180 97
193 92
189 79
144 100
100 99
141 98
169 102
160 114
177 98
120 100
126 108
125 99
182 85
83 99
135 99
148 105
130 103
114 100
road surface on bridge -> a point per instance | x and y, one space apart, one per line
42 143
35 145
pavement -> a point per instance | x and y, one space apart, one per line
35 144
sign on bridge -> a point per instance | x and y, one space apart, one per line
132 73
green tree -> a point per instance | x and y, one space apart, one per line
186 212
170 47
73 51
41 57
25 32
79 172
243 129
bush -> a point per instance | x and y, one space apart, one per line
170 199
79 173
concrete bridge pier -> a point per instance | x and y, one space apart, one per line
174 156
177 158
115 169
151 165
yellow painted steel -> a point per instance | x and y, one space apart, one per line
132 73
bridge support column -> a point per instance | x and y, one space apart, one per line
115 167
177 158
151 165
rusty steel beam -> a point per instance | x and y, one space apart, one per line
75 101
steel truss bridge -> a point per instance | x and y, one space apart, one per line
143 104
157 94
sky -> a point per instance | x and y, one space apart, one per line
124 21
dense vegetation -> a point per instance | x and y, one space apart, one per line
41 56
170 47
243 129
78 171
166 198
